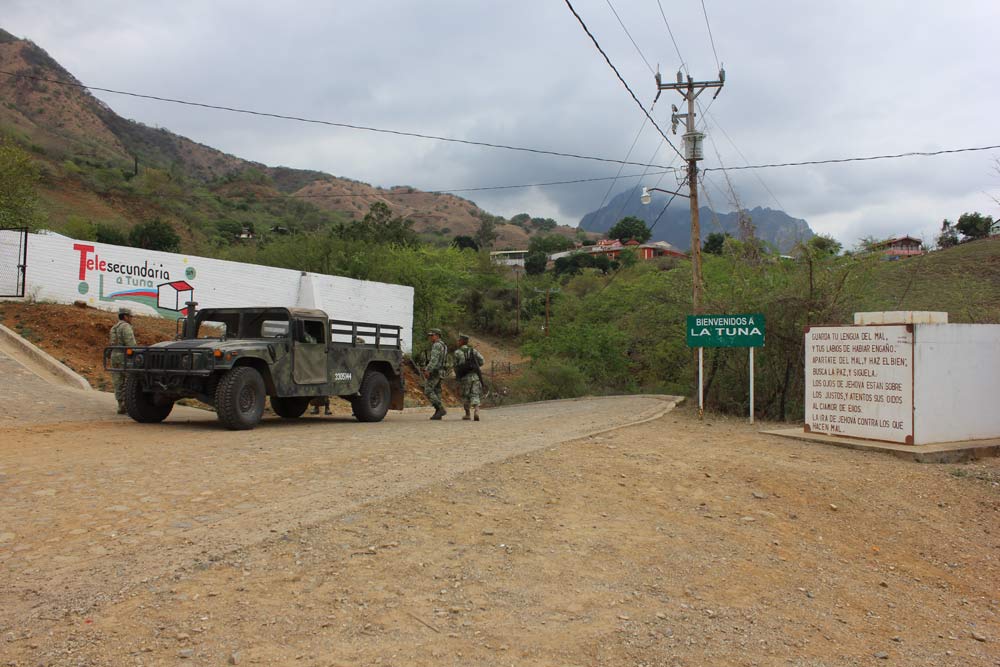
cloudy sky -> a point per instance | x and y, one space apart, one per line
804 81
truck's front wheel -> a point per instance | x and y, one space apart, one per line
145 407
373 398
291 407
239 398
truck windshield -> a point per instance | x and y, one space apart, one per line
242 323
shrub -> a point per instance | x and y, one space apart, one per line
550 379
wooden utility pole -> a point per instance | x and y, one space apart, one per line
690 90
517 313
548 293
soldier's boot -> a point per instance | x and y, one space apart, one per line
121 409
476 414
327 411
467 417
315 410
439 412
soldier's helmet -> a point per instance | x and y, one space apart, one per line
433 332
124 311
463 336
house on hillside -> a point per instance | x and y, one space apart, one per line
509 257
904 246
612 248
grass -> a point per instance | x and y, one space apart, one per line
963 281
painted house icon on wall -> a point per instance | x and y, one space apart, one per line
174 295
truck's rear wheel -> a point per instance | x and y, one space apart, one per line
239 398
291 407
373 398
145 407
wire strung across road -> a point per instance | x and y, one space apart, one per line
860 159
349 126
623 82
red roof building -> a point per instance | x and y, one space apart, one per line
904 246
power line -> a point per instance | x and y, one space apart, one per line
350 126
745 160
861 159
671 33
710 38
501 187
631 148
386 194
622 24
651 228
615 70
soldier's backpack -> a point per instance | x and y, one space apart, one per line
469 365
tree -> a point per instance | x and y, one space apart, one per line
544 224
18 177
715 243
975 225
463 242
627 258
487 232
948 236
521 220
534 263
824 244
104 233
549 243
154 235
378 226
630 227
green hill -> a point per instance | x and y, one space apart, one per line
963 281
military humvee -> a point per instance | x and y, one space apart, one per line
233 358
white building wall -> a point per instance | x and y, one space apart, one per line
107 276
956 382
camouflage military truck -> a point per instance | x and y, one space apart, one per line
234 358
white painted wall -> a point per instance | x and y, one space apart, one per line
55 273
956 382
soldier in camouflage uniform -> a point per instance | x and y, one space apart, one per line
121 335
433 372
468 361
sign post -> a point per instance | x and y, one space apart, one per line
744 330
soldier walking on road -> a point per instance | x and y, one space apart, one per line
433 372
468 362
121 335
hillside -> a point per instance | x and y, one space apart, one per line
774 227
963 281
105 169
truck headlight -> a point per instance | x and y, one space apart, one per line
138 361
186 361
199 361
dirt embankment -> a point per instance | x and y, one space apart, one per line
77 336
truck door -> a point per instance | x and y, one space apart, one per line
309 356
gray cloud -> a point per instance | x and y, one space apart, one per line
805 81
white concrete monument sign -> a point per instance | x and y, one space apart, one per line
859 382
906 377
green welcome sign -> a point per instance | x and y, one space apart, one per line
725 330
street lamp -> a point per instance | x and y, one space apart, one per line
645 197
696 287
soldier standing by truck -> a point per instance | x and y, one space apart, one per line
468 362
121 335
433 371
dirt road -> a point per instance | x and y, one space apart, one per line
521 540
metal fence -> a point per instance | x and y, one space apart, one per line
13 260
